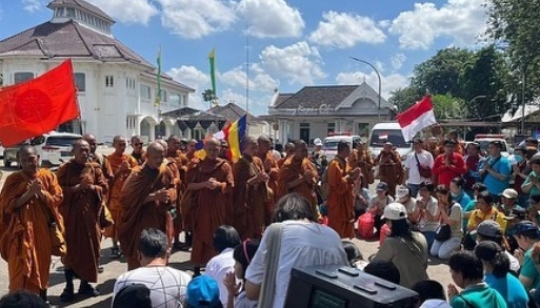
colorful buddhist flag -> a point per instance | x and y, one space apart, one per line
157 103
212 59
233 134
38 106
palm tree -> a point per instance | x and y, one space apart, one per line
209 96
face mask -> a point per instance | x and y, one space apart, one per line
518 158
454 195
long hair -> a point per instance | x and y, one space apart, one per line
293 207
401 228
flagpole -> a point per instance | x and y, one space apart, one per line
247 67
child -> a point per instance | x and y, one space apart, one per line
243 254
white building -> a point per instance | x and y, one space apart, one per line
117 87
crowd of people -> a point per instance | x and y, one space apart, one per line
474 209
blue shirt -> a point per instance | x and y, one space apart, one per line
510 288
502 166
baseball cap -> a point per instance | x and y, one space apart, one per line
382 186
487 250
417 140
510 193
203 291
394 211
133 295
402 192
488 228
524 227
317 142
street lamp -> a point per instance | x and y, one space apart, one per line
378 75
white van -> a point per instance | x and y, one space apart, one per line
388 132
54 148
331 142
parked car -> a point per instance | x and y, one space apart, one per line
1 151
54 148
11 154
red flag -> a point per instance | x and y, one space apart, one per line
416 118
38 106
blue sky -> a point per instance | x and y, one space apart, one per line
290 43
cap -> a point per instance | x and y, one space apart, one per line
449 142
382 186
317 142
417 140
402 192
133 295
488 228
525 226
510 193
203 291
394 211
487 250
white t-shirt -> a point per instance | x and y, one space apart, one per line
425 158
218 267
167 285
302 244
435 303
433 208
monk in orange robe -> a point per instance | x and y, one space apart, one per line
250 194
390 168
189 158
340 199
98 158
289 151
298 174
212 179
174 155
28 208
121 165
361 157
148 201
138 152
271 168
84 187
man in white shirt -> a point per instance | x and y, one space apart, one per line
419 157
167 285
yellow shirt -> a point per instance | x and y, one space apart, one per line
493 214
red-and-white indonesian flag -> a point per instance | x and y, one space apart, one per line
416 118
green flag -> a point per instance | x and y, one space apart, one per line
157 103
212 58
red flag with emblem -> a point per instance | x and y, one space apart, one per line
38 106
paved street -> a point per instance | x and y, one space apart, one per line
180 260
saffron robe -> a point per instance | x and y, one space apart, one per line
140 158
363 160
25 243
390 170
248 210
211 206
340 199
138 215
176 158
81 210
292 170
271 168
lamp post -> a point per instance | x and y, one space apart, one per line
378 75
523 68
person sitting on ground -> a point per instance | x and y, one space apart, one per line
457 189
469 208
403 196
485 211
498 276
226 238
430 294
450 213
236 296
405 248
509 198
22 299
527 235
383 269
490 230
427 211
154 252
133 296
378 203
467 273
354 256
203 292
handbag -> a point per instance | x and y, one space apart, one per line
484 175
268 287
58 242
443 233
425 171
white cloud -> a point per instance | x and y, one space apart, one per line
230 96
259 80
460 20
299 63
128 11
397 60
388 83
345 30
194 19
271 18
194 78
32 5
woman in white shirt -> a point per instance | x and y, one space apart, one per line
243 254
304 242
427 212
451 216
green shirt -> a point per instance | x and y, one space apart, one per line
478 295
529 270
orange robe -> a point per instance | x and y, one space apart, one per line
24 232
271 168
140 158
340 199
115 188
138 215
81 211
292 170
248 210
176 159
364 161
390 170
211 207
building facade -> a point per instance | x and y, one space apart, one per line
317 111
116 87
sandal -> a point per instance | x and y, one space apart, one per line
67 295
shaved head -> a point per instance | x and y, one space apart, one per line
155 153
154 147
78 143
249 146
27 150
81 151
28 159
88 137
248 140
119 144
212 147
289 146
264 139
118 138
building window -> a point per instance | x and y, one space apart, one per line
59 12
331 128
184 100
146 92
109 81
22 77
163 96
70 13
80 81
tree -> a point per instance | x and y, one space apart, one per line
403 98
448 107
210 97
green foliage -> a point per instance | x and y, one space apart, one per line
403 98
448 107
208 95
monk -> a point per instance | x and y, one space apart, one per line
28 208
340 199
298 174
271 168
189 159
121 165
224 152
84 187
361 157
289 151
148 201
390 169
138 151
174 155
250 194
212 179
